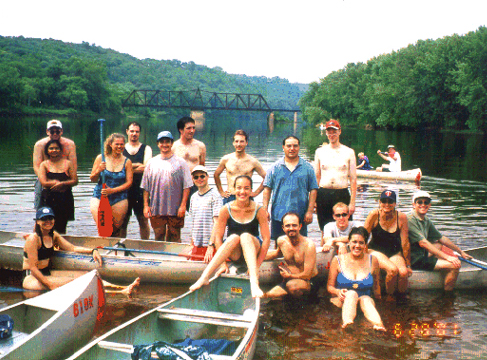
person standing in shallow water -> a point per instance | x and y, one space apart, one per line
352 279
243 218
57 176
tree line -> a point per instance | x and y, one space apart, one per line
432 84
46 74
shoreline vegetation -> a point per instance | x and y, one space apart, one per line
434 84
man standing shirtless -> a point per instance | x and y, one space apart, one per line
139 154
187 147
54 131
299 253
238 163
335 166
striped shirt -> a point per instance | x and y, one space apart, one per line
202 210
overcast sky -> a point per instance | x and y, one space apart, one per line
301 41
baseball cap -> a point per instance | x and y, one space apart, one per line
334 124
421 194
43 212
391 146
199 168
54 123
164 134
388 194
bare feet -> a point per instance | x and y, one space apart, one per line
201 281
131 288
380 328
255 290
344 325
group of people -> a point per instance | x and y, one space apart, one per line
229 224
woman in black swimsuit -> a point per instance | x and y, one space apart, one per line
243 218
38 250
57 176
390 243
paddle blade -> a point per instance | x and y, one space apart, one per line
105 220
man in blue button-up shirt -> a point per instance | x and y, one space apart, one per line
292 182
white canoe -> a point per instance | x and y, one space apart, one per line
55 324
152 261
409 175
223 310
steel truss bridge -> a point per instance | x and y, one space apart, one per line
199 100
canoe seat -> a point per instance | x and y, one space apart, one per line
129 349
206 317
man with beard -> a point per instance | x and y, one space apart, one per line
236 164
299 254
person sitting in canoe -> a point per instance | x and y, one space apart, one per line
364 163
243 218
427 243
394 160
390 243
38 250
353 277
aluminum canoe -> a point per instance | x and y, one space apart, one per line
409 175
150 261
57 323
224 309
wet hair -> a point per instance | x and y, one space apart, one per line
242 177
109 141
291 213
360 230
183 121
49 144
290 137
242 133
339 205
135 123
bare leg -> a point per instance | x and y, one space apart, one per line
144 226
391 273
370 312
275 292
451 273
159 227
119 210
221 255
402 279
349 309
126 290
250 247
173 234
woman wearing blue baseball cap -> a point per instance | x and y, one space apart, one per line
38 250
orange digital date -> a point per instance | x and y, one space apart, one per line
425 329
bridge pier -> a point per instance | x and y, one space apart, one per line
270 122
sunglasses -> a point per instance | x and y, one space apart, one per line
387 201
56 131
341 215
47 218
423 202
196 177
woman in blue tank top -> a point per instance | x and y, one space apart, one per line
118 178
243 218
353 277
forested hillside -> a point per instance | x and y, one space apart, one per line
39 75
440 84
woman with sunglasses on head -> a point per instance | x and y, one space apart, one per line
390 243
352 278
244 218
57 176
39 248
118 178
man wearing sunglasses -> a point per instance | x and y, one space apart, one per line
427 241
335 233
54 131
204 208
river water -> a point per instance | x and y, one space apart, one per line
454 171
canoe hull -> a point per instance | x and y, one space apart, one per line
57 323
122 266
222 310
409 175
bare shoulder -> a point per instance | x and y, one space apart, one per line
310 244
41 143
176 144
402 217
200 144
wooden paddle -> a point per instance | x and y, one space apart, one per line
105 220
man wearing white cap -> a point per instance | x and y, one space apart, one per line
426 243
205 205
54 131
335 168
166 182
394 160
